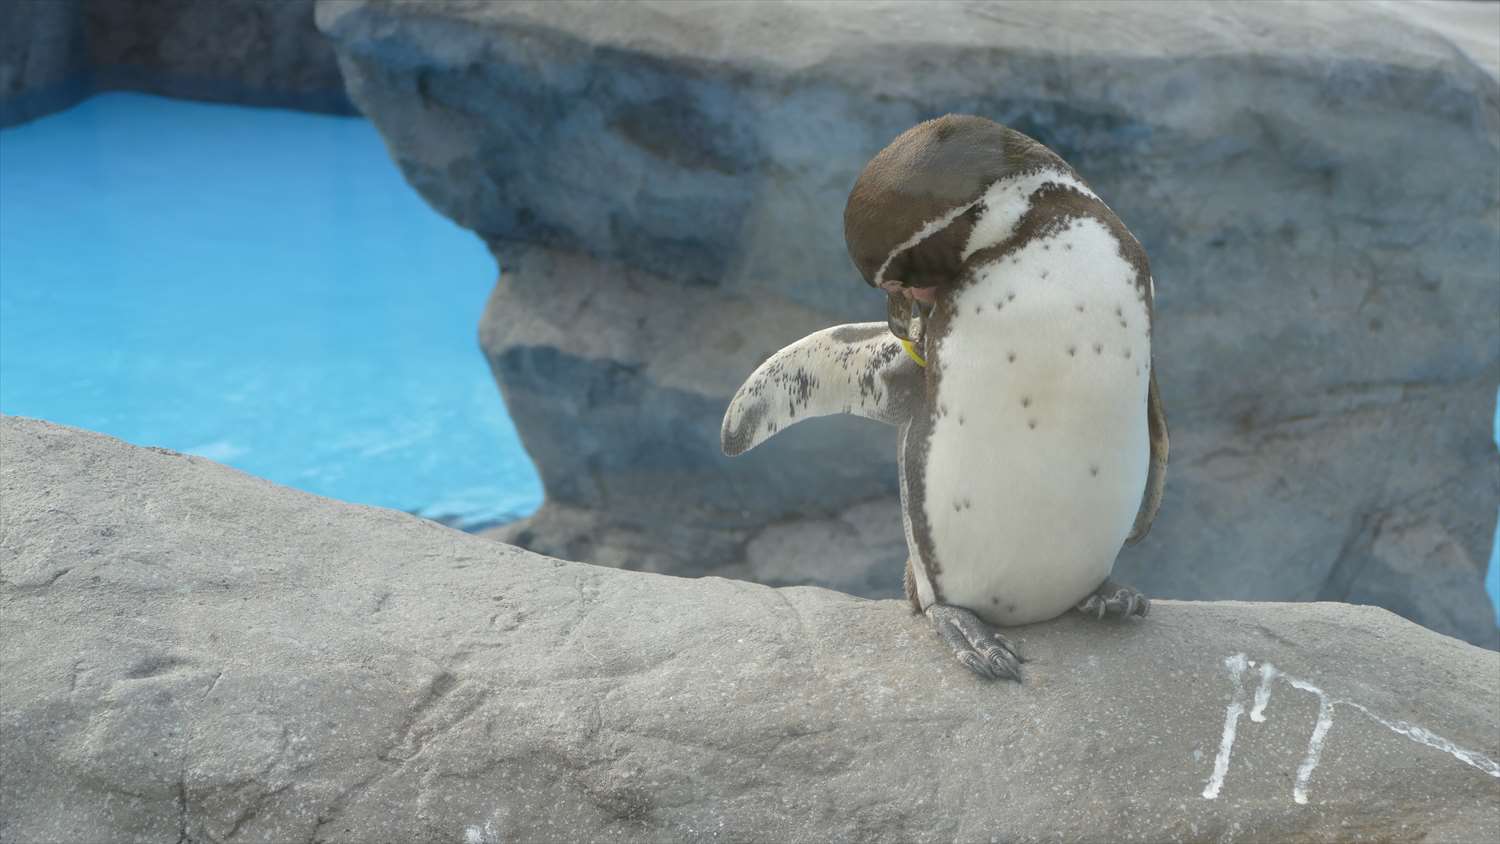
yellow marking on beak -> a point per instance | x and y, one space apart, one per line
912 351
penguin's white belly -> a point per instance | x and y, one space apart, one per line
1039 449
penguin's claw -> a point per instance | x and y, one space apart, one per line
1114 599
976 646
1009 647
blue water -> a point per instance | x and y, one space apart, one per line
258 287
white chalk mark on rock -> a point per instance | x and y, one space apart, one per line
1268 674
1314 744
1236 665
1433 740
481 835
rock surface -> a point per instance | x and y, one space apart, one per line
250 52
663 185
194 654
43 58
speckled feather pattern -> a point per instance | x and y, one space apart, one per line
859 369
1035 448
1038 450
1024 444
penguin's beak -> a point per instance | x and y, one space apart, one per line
898 315
906 316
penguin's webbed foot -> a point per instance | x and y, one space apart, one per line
1112 598
975 644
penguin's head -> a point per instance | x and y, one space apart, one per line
913 207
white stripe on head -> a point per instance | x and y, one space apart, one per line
1007 201
928 229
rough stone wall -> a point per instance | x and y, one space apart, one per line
663 183
44 62
250 52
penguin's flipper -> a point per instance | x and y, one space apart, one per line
1156 478
860 369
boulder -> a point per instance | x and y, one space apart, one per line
194 654
43 58
249 52
663 183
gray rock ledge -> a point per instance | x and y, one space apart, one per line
194 654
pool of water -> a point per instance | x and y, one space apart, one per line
258 287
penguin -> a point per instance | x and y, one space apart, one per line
1015 362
